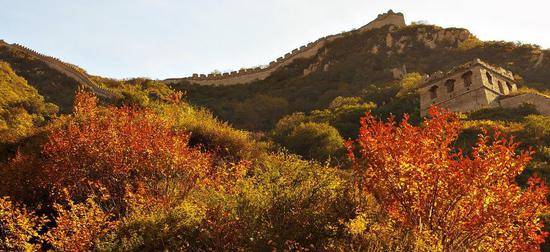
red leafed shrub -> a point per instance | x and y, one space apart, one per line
116 152
427 186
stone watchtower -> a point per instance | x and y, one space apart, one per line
469 87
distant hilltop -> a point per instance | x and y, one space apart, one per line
248 75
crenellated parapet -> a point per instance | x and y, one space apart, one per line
72 71
439 75
306 51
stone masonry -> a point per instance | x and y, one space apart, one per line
476 85
466 88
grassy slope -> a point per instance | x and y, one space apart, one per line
54 86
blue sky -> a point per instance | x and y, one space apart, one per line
175 38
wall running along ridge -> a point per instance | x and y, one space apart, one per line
244 76
69 70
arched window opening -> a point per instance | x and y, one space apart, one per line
500 87
510 88
433 92
489 77
467 77
450 84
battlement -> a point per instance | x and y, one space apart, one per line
306 51
272 65
439 75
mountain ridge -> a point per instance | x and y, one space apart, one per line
367 63
247 75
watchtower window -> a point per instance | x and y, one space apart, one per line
467 77
500 87
450 84
489 77
510 88
433 92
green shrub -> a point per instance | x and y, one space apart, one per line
318 141
170 228
284 201
210 133
284 127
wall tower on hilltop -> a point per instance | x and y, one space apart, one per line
469 87
388 18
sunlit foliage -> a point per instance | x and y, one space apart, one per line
459 201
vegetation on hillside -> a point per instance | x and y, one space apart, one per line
128 178
338 159
22 108
349 67
54 86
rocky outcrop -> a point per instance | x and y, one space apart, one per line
448 37
310 50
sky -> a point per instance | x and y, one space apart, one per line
176 38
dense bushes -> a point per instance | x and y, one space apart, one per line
209 133
319 135
283 202
126 179
17 227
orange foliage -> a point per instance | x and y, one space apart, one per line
17 227
111 152
116 157
427 185
116 152
78 226
21 178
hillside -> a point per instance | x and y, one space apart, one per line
364 63
138 165
56 80
22 108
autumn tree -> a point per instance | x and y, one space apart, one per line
430 188
119 152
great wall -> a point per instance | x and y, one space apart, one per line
69 70
244 76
